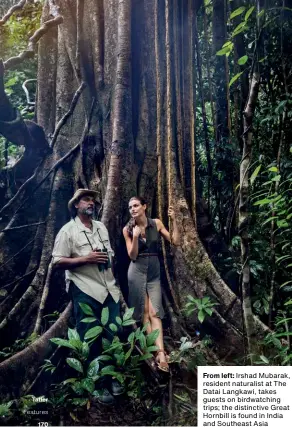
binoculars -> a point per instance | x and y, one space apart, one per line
105 266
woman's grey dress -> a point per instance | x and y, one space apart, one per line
144 274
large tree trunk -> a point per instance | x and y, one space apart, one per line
120 138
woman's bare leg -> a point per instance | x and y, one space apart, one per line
146 318
157 324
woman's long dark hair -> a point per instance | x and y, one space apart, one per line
131 224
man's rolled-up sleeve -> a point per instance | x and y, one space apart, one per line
62 247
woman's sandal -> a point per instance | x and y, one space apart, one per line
163 366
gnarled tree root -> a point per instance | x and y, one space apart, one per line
23 366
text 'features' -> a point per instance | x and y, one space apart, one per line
244 396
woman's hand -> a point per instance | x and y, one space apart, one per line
136 231
171 213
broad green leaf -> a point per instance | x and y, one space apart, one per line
113 327
69 381
229 43
118 320
276 178
106 369
241 27
145 356
128 314
264 359
283 321
86 309
89 319
142 341
272 218
152 337
201 316
128 354
237 12
128 322
76 343
62 343
88 385
106 344
93 368
255 174
249 12
131 337
73 334
75 364
152 348
104 316
209 311
262 202
234 78
261 13
286 283
85 349
93 332
243 60
223 51
273 169
104 357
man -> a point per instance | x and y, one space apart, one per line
89 278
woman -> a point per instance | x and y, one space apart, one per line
141 235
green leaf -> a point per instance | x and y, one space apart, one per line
106 344
152 337
128 322
261 13
264 359
234 78
255 174
262 202
73 334
89 319
146 356
85 349
104 316
286 283
243 60
223 51
88 385
249 12
113 327
201 316
273 169
104 357
62 343
86 309
128 314
272 218
106 369
119 320
276 178
152 348
75 364
142 341
131 337
93 368
93 332
237 12
241 27
69 381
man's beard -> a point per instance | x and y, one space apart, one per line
86 211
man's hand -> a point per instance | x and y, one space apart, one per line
97 258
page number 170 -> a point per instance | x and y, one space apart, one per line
43 424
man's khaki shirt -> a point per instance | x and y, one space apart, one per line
71 242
